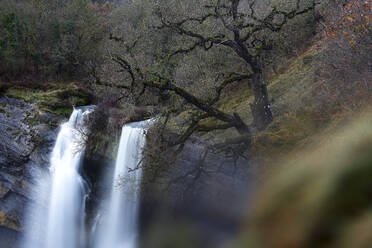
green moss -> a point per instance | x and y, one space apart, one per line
61 111
58 99
3 104
80 101
20 94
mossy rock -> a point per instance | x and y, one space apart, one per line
318 198
58 99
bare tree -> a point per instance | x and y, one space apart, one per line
189 28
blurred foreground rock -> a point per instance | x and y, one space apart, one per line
322 198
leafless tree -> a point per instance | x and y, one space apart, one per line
167 33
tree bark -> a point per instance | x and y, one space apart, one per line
261 111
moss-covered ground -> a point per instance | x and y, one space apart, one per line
56 98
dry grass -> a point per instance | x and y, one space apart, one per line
306 106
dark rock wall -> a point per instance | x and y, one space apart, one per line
210 196
26 139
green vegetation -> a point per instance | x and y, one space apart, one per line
49 39
54 98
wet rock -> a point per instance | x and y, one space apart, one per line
209 195
3 190
27 137
9 221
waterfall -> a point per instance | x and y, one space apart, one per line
58 219
120 222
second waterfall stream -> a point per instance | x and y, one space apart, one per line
119 228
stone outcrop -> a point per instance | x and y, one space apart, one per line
27 137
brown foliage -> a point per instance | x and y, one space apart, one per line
346 61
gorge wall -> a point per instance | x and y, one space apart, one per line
204 205
27 137
214 204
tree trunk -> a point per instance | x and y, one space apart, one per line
260 108
261 111
242 128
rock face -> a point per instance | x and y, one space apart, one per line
210 191
209 196
204 206
27 137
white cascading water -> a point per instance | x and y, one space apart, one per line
61 220
120 222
